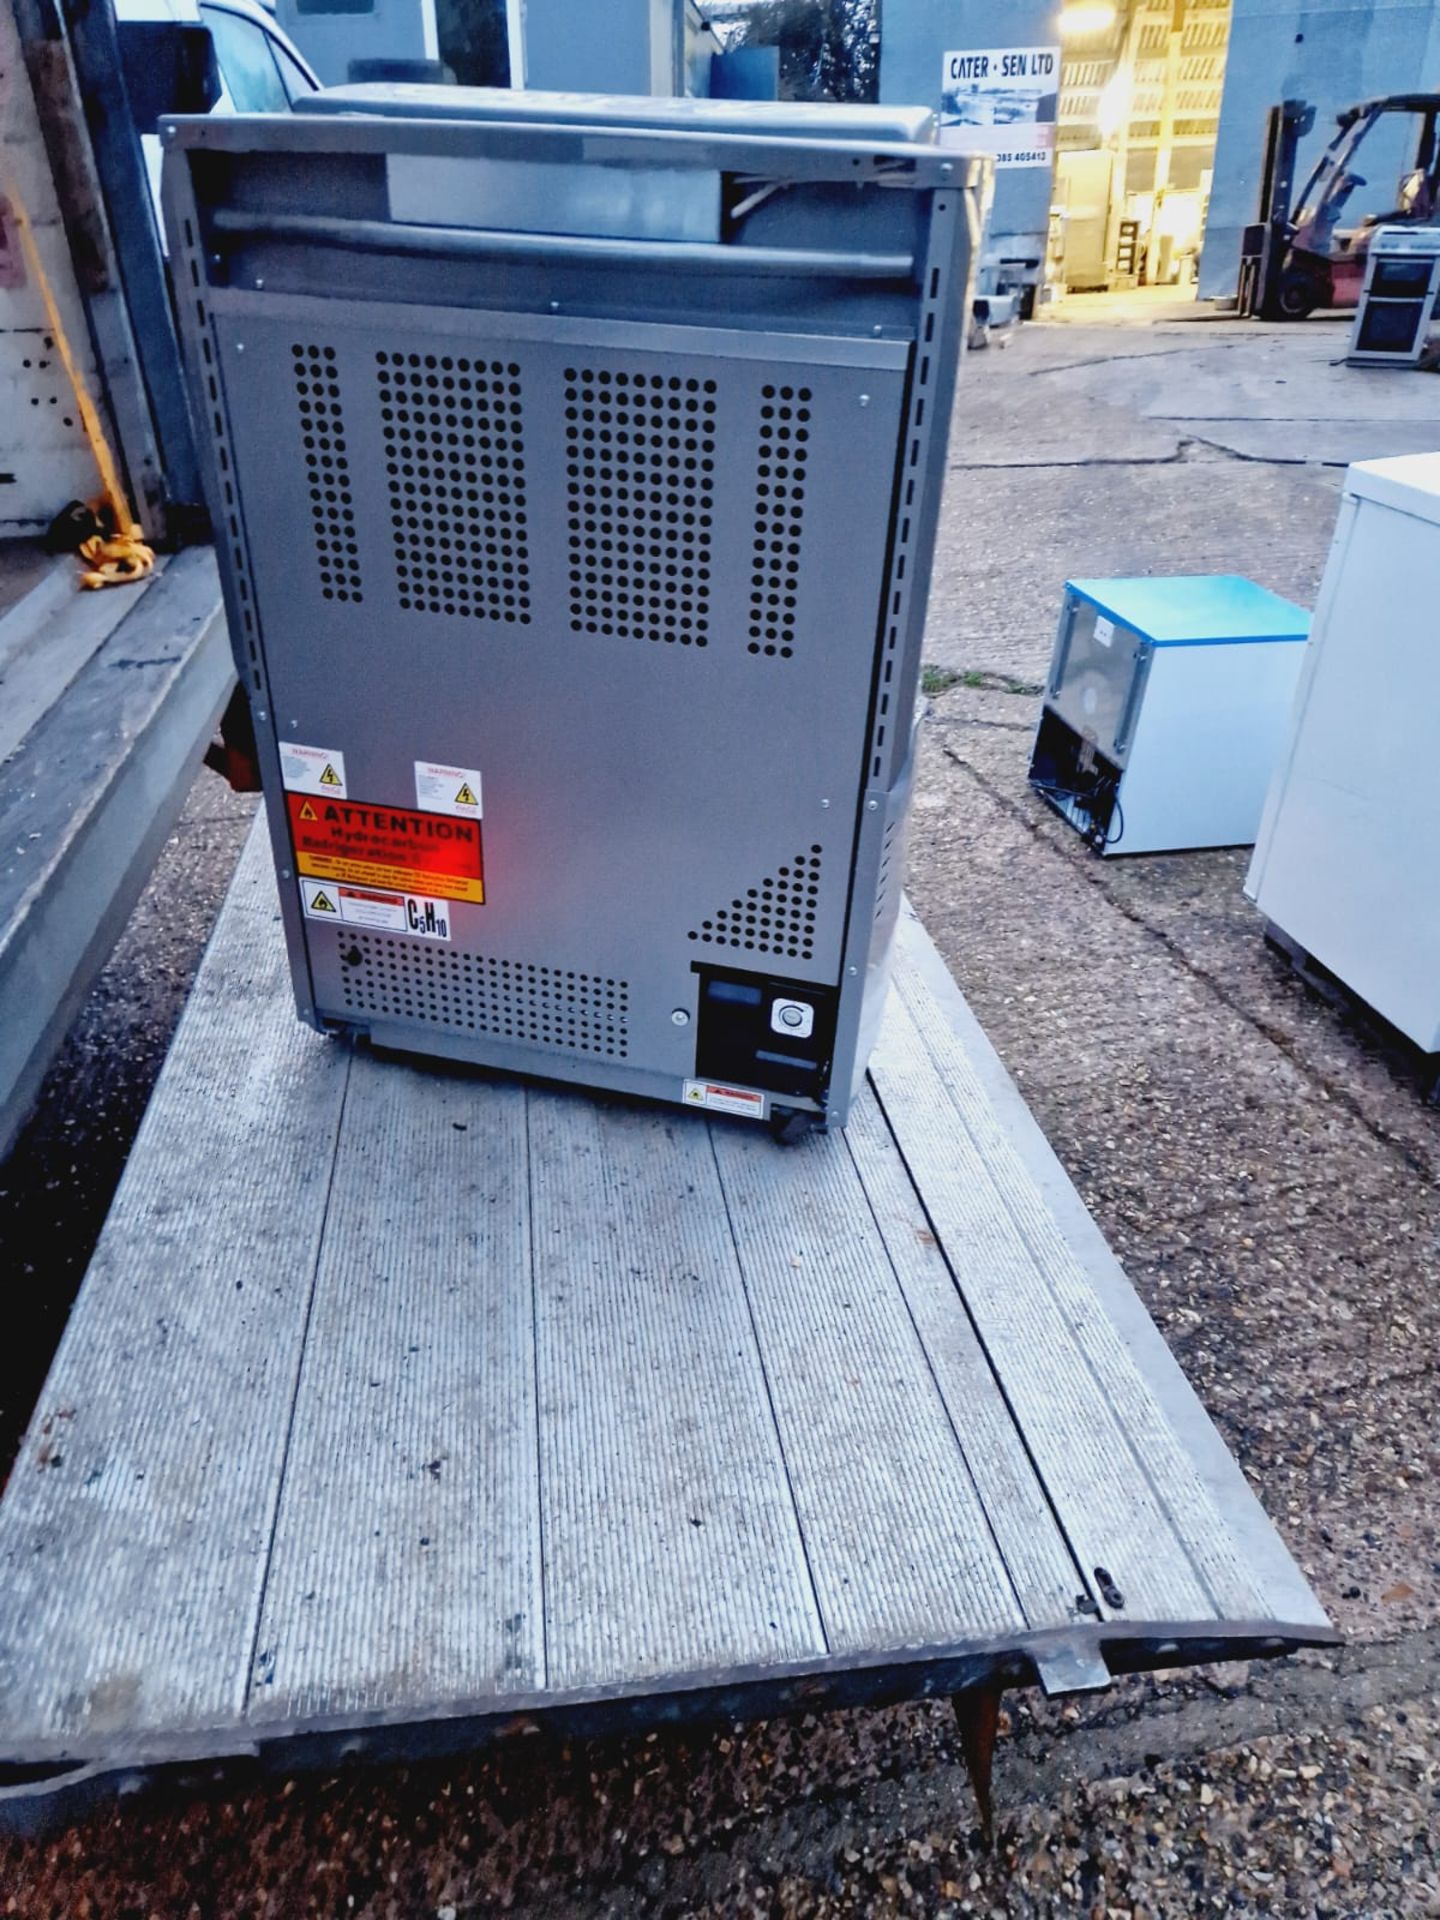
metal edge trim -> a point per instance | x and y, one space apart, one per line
887 355
1124 1647
898 164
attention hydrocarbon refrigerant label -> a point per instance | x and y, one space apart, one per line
386 849
312 770
413 913
719 1098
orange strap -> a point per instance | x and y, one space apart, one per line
119 555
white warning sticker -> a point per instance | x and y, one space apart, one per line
1104 630
413 913
454 790
320 900
427 919
312 770
722 1099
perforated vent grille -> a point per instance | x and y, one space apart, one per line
507 999
641 466
779 514
455 458
327 471
777 917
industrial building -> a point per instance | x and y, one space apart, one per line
1152 167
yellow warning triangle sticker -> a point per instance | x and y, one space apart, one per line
322 903
465 798
330 778
307 812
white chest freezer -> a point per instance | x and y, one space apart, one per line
1347 864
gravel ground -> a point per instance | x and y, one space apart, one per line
1262 1165
1134 1810
56 1185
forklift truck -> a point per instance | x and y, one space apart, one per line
1292 263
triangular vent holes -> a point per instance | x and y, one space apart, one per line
777 917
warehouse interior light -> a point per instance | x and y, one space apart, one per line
1112 108
1086 17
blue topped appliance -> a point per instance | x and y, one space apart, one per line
1165 709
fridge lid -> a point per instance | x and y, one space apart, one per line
1196 609
1409 482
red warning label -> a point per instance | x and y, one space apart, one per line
348 840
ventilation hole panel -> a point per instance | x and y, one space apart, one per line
455 463
640 470
779 517
468 993
327 470
777 917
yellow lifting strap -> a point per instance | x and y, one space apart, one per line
118 555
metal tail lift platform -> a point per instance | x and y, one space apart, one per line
405 1403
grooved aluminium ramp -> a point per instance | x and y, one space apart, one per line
106 703
399 1401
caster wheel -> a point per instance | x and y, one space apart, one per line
790 1125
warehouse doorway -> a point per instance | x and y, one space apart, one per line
1141 82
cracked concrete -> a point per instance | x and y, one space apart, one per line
1260 1163
1278 394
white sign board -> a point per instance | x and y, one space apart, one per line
1002 101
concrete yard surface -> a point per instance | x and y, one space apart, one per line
1263 1166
